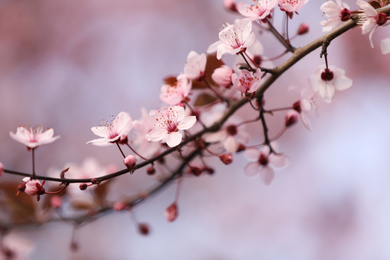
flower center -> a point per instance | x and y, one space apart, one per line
345 14
327 75
263 160
231 130
381 19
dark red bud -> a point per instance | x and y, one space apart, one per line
150 170
303 29
143 229
226 158
83 186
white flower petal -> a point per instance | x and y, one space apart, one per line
186 123
173 139
267 175
252 169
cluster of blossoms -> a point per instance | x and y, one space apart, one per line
196 118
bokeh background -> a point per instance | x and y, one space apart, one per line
69 64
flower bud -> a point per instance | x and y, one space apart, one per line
196 171
83 186
230 5
171 212
1 169
150 170
130 161
291 118
143 229
119 205
226 158
223 76
303 29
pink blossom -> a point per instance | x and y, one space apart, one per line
231 136
385 46
33 137
327 81
234 38
33 187
291 5
112 132
167 124
143 126
260 10
195 66
130 161
371 19
247 81
177 92
336 13
262 165
223 76
305 105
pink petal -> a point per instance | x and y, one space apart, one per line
252 153
186 123
230 144
156 134
252 169
173 139
279 160
267 175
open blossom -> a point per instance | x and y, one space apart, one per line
33 137
371 19
195 65
337 13
231 136
234 38
260 10
167 124
264 159
385 46
291 5
177 92
247 81
305 105
112 132
327 81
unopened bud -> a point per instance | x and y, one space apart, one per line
223 76
1 169
241 147
209 170
119 205
226 158
196 171
130 161
83 186
291 118
171 212
143 229
56 201
303 29
230 5
150 170
123 139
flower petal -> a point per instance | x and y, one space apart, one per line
267 175
173 139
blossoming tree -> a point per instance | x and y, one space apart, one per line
198 119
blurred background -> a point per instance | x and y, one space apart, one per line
69 64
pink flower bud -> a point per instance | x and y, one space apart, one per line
1 169
230 5
150 170
56 201
119 205
143 229
171 212
303 29
130 161
226 158
291 118
223 76
83 186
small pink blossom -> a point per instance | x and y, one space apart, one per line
291 118
33 187
371 19
327 81
231 136
195 65
33 137
112 132
234 38
385 46
223 76
305 105
260 10
130 161
291 6
247 82
337 13
167 124
264 160
176 93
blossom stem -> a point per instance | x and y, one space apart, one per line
246 61
120 149
56 192
33 163
280 38
179 183
132 149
